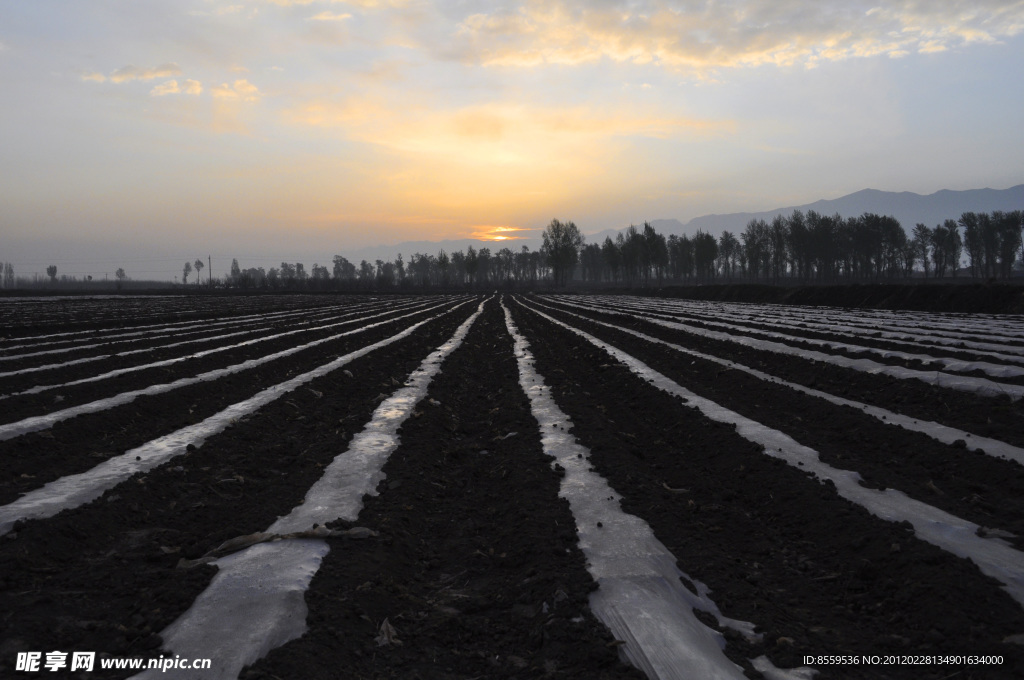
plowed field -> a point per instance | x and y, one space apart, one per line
510 487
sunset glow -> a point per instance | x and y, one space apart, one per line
486 233
288 129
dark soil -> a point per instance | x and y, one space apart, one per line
477 565
79 443
969 484
102 577
997 417
966 296
816 573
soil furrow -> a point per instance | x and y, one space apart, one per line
103 576
25 405
818 574
77 444
32 318
477 566
968 484
995 417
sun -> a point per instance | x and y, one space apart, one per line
486 232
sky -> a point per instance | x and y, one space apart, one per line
139 133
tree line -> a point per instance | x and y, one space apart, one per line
809 248
474 268
9 281
801 247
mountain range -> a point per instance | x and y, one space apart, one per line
907 207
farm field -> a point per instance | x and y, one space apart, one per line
506 486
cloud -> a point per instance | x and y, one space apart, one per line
163 89
702 36
240 90
128 73
192 87
94 76
329 16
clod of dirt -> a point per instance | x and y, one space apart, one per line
387 635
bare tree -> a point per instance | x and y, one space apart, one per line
562 243
185 272
343 269
705 252
51 271
1008 231
199 268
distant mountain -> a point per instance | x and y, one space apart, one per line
600 236
668 226
909 208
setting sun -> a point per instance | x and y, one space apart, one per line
492 233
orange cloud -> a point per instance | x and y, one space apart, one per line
129 72
163 89
192 87
239 90
329 16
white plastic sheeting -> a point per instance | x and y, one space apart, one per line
142 350
937 431
846 322
981 386
640 596
951 325
36 423
993 556
951 364
152 332
206 352
256 601
74 490
107 337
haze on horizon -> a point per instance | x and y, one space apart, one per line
141 134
